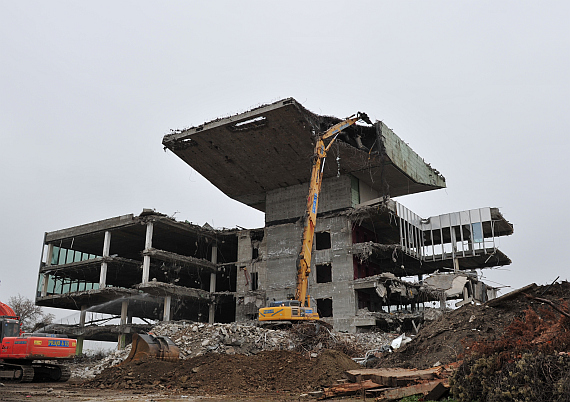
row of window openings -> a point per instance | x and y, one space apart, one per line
60 256
58 286
322 242
324 275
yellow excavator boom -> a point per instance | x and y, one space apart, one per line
284 310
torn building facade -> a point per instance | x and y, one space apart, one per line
163 269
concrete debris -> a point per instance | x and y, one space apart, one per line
196 339
90 371
399 341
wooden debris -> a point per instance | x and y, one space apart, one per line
438 392
395 377
394 383
421 388
348 389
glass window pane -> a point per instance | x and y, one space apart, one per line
62 256
477 232
54 255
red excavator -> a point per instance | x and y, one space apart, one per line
27 357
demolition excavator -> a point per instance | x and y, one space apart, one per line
21 353
299 308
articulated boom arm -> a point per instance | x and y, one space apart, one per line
304 260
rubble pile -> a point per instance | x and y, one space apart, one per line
196 339
531 361
450 337
91 370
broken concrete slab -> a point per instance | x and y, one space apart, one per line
508 296
234 153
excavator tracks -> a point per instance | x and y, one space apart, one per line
47 372
16 372
42 372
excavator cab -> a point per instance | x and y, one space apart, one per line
283 303
10 328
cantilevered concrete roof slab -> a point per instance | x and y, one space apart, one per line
270 147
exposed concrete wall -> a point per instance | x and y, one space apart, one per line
409 161
367 193
248 301
340 289
290 202
283 246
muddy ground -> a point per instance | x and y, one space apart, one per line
73 391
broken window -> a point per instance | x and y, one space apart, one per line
324 307
254 281
226 278
324 273
360 234
322 240
477 232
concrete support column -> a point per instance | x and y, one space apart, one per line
456 265
147 246
45 279
80 339
121 341
212 309
106 249
166 312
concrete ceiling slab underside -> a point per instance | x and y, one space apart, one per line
270 147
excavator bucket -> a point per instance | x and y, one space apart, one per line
158 347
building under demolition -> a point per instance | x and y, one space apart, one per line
155 268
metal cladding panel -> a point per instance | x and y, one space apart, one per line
270 147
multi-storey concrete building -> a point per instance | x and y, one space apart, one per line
162 269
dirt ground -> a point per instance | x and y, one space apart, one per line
282 375
73 391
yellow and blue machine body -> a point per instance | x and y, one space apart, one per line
287 310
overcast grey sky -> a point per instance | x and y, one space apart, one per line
479 89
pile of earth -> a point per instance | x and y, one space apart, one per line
447 339
213 373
